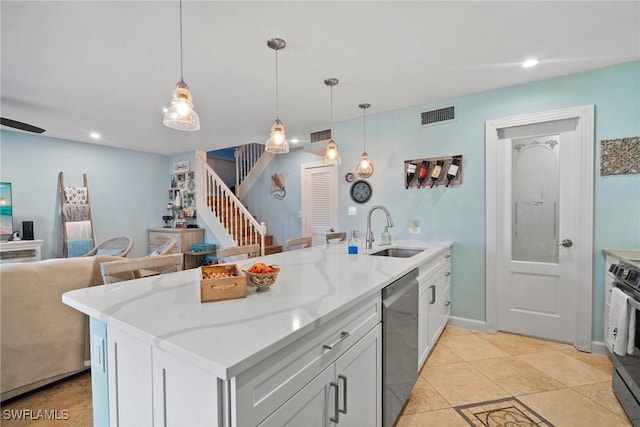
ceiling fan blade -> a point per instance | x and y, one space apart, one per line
19 125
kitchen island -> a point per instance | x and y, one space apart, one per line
170 359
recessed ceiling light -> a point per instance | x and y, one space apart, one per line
530 63
94 135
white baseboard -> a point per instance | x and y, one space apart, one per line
472 324
597 347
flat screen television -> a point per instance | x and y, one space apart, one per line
6 211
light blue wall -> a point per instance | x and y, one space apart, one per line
280 216
126 187
458 213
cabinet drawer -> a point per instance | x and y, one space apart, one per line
261 389
430 268
173 250
156 238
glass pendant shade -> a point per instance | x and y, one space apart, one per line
181 115
331 155
277 142
365 168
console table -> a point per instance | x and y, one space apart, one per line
20 251
184 237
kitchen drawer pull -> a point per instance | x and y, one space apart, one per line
433 294
336 399
447 256
447 304
344 394
343 335
447 274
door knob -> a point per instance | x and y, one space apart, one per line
567 243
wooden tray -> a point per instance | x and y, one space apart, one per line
222 288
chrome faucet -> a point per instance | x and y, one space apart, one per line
370 238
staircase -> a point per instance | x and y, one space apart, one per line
269 247
224 214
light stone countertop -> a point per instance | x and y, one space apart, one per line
629 256
226 337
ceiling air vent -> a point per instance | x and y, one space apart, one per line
318 142
440 115
321 135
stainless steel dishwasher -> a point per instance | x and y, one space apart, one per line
399 344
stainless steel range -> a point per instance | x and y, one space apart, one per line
626 369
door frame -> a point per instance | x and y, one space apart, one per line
304 196
585 148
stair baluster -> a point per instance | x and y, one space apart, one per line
226 208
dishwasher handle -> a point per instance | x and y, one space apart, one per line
398 285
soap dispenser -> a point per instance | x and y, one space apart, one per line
386 236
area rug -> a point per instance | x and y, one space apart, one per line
509 412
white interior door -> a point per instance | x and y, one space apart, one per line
539 214
319 200
536 277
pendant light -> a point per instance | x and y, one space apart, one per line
365 168
331 155
181 115
277 142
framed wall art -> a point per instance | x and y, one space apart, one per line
181 167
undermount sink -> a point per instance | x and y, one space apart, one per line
398 252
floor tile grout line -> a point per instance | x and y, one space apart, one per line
560 351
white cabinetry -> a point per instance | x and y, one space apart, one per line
183 395
20 251
434 281
269 384
337 363
130 394
309 407
348 392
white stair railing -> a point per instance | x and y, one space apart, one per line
251 162
246 156
221 203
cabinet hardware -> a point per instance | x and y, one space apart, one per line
344 394
343 335
447 256
433 294
447 304
336 411
447 274
164 396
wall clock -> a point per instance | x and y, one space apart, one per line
360 191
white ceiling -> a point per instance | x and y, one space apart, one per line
73 67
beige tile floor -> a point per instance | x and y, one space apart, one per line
563 385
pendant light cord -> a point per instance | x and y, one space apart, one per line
181 75
364 129
331 119
277 112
